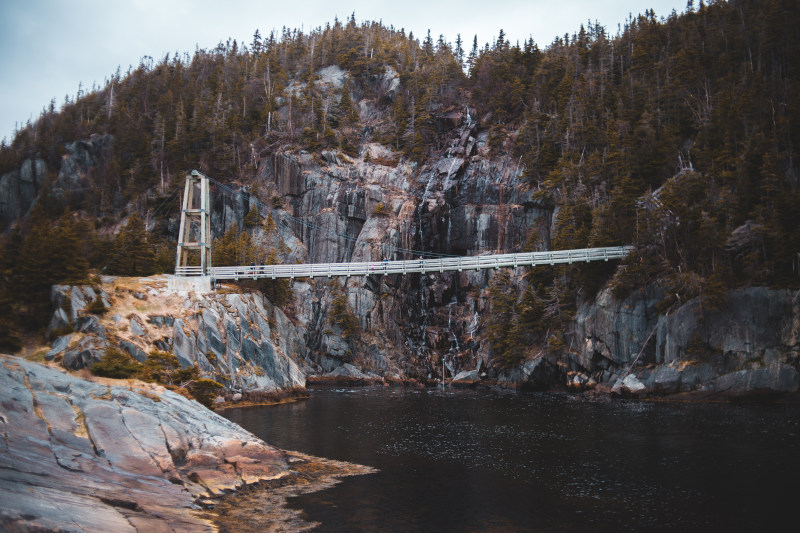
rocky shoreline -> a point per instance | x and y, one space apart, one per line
122 455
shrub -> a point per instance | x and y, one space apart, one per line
204 390
341 316
97 307
252 217
164 368
116 364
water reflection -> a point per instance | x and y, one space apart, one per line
453 461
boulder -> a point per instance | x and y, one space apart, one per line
90 324
348 371
632 385
88 351
536 373
161 321
59 322
466 378
346 374
136 352
136 328
59 346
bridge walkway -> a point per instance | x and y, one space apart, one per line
478 262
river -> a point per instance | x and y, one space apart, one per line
482 461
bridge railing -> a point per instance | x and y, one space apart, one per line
189 271
478 262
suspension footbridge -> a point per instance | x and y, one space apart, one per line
445 264
199 240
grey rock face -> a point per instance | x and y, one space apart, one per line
136 328
770 378
226 335
339 208
18 190
136 352
537 373
631 384
615 330
756 328
88 351
97 458
59 345
466 378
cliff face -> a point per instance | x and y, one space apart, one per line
335 208
749 344
18 190
80 166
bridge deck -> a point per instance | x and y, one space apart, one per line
310 270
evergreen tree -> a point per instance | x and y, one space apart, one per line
36 270
133 254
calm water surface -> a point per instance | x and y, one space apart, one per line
470 461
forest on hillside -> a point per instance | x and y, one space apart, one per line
677 134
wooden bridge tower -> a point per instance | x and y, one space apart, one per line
195 228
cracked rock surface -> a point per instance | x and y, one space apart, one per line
86 456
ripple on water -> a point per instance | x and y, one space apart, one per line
542 461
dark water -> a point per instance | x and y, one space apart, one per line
542 462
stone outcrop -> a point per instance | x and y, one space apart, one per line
537 373
76 455
749 345
240 340
19 189
335 208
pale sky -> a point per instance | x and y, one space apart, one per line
49 47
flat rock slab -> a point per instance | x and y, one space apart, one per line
99 457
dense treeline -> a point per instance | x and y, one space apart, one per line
677 134
219 109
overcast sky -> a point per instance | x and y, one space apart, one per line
50 46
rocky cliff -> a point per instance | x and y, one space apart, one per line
336 208
80 172
241 340
330 207
750 344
